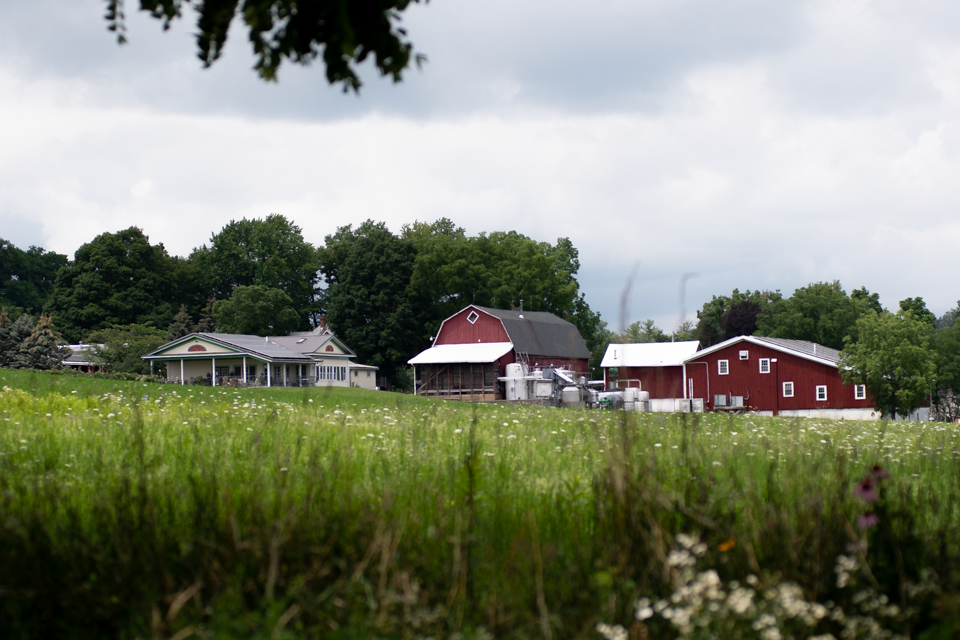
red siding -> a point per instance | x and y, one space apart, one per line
457 330
763 391
661 382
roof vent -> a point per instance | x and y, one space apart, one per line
301 340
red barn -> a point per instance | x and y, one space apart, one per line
474 346
774 376
656 367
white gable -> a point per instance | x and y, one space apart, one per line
649 354
197 347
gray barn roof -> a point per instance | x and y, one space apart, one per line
541 333
803 346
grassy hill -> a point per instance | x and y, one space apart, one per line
133 509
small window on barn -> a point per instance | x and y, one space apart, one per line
473 317
821 393
723 367
787 389
329 348
859 392
744 355
764 365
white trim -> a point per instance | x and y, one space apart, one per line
473 316
823 388
760 343
723 367
859 392
761 368
788 384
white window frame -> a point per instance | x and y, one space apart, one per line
723 367
764 365
788 389
823 388
859 392
744 354
472 317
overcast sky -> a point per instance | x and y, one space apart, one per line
756 144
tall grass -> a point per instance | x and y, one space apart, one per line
139 510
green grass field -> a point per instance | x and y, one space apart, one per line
154 511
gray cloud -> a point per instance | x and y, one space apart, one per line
760 145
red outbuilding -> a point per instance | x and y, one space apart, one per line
474 346
655 367
774 376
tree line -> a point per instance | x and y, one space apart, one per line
385 294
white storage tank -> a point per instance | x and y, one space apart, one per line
644 396
570 395
630 394
643 406
629 405
514 370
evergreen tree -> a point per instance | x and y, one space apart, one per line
6 344
207 323
18 332
41 349
181 325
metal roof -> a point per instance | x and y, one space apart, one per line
649 354
469 352
305 343
81 354
255 345
540 333
802 348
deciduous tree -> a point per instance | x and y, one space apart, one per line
821 312
270 253
892 357
369 304
27 277
121 346
256 310
342 34
117 278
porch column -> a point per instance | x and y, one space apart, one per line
181 372
244 369
284 374
213 366
151 368
269 367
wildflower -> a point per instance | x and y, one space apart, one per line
866 490
726 545
868 520
879 473
458 430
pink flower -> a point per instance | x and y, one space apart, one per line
867 520
866 490
879 473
